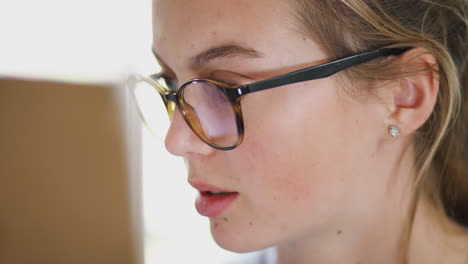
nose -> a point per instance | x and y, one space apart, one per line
182 141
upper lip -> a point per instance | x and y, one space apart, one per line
205 187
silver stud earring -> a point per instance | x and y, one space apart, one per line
393 131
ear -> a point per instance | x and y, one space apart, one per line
415 95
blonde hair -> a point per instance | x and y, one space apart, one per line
346 27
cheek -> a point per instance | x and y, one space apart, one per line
279 172
301 168
280 181
289 192
287 154
306 147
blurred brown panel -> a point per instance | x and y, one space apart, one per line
63 182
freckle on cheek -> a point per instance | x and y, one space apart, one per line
283 227
225 219
236 178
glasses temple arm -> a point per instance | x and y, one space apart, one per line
321 71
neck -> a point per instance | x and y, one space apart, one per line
369 230
434 239
382 234
375 241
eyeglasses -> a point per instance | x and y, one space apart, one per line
212 108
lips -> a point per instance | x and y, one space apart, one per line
212 201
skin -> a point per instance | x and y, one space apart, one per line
318 175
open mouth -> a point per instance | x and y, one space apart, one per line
212 201
213 204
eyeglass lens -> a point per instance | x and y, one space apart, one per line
213 111
152 109
206 108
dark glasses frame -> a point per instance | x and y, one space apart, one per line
175 97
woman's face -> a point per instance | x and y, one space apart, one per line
311 162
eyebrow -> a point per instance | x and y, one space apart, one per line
222 51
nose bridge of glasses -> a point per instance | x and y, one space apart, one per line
170 100
170 96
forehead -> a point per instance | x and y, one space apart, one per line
185 27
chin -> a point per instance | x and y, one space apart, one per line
238 240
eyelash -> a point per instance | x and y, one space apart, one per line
212 76
215 77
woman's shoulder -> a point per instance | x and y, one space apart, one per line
266 256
